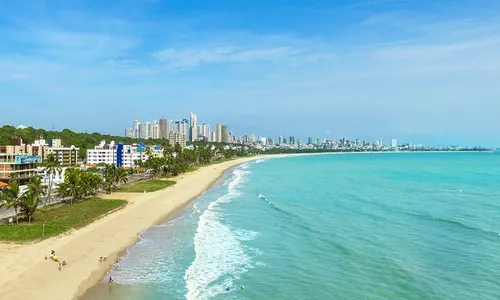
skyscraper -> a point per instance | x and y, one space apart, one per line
280 140
155 129
218 133
137 129
292 140
224 134
193 129
309 140
163 128
394 143
206 132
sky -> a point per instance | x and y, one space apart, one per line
420 71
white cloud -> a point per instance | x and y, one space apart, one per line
434 51
186 58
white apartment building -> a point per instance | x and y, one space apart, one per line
111 155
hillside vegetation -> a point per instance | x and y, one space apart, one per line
83 141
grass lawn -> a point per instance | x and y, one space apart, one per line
193 168
58 219
148 186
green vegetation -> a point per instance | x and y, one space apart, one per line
51 166
27 202
83 141
80 184
176 160
148 186
54 220
193 168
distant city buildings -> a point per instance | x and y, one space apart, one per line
119 154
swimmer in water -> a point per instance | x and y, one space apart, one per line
227 289
243 287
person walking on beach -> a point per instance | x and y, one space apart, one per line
59 267
110 281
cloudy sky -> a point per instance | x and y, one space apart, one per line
416 70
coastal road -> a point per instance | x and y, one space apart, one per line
9 212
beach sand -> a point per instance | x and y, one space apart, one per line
25 274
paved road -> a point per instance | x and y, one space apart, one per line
8 212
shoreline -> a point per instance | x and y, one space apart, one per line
108 236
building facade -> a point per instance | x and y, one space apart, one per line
21 166
177 138
119 155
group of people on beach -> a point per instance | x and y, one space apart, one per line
54 258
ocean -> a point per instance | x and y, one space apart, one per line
346 226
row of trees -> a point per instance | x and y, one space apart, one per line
177 160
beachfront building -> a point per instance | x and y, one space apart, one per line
177 138
119 154
21 166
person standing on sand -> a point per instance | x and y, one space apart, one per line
59 267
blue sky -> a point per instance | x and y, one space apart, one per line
416 70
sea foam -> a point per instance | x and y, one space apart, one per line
220 257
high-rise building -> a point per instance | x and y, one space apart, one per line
129 132
193 129
224 134
163 128
218 133
394 143
137 129
200 131
284 141
206 132
155 130
292 140
177 138
280 140
309 140
212 137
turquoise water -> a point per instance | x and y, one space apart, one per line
353 226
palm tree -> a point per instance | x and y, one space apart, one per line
11 197
71 187
51 167
121 176
109 178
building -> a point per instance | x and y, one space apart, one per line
137 129
212 137
67 156
155 130
21 166
309 140
280 140
224 132
130 133
177 138
20 160
218 133
193 128
292 140
116 154
164 129
394 143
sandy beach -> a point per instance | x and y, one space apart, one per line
25 274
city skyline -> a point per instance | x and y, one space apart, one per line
424 71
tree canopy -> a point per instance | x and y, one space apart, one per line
83 141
